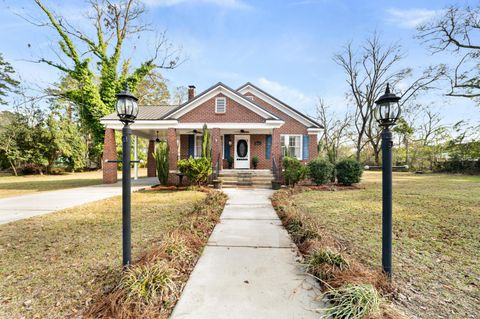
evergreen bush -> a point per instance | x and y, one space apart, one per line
294 170
349 172
320 171
161 159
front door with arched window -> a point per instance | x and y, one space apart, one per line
242 151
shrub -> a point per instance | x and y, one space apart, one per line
161 158
196 169
349 172
353 301
294 170
299 230
206 143
322 263
320 171
255 161
149 283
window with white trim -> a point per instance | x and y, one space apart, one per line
291 145
250 97
198 146
220 105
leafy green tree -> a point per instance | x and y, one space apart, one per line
10 134
153 90
81 56
8 83
61 140
405 131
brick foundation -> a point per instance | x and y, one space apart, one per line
109 153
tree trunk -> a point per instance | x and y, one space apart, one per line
376 153
406 151
12 165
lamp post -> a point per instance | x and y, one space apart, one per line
127 111
387 113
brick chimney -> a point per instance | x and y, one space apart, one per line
191 92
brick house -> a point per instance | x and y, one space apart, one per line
244 123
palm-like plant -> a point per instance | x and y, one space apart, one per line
161 158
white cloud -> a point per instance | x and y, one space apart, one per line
236 4
409 18
291 96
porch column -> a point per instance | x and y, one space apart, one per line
151 165
276 146
313 146
109 170
173 148
216 147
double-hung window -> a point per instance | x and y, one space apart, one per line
220 105
291 145
198 146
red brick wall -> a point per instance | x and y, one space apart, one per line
151 164
109 170
183 146
236 113
172 145
259 150
216 146
312 148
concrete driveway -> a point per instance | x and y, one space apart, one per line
41 203
249 268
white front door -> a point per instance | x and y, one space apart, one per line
242 151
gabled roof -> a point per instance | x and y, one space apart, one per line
282 106
227 91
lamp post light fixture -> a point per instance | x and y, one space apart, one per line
127 111
387 113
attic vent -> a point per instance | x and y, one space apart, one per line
250 97
220 105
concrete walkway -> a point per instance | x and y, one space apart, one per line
41 203
249 268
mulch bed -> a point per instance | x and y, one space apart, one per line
334 187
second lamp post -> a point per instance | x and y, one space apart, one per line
127 111
387 113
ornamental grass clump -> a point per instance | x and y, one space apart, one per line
150 283
176 247
352 302
323 263
300 230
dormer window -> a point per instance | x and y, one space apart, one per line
220 105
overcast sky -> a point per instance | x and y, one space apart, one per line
283 46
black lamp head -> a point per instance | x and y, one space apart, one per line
127 107
388 110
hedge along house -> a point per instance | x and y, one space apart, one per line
244 123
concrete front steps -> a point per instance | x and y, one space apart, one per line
246 178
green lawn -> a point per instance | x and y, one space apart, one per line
20 185
436 224
51 265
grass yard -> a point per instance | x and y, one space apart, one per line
20 185
436 225
51 265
